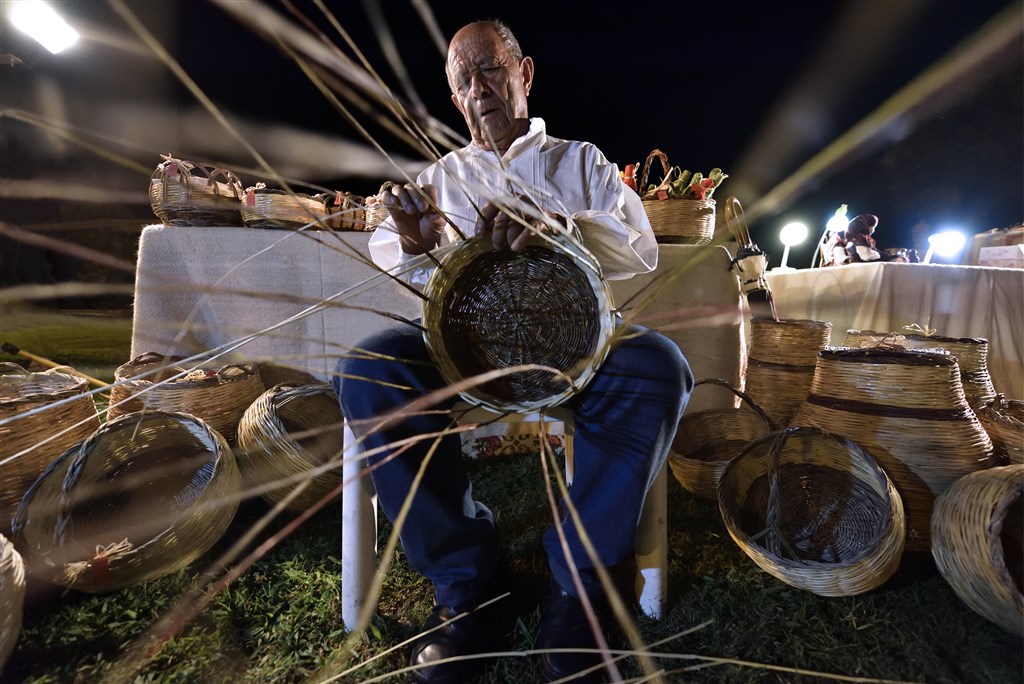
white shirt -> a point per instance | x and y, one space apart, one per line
567 177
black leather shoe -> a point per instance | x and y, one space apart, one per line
475 633
564 625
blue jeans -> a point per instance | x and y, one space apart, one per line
625 419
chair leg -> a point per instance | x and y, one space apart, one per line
652 549
358 533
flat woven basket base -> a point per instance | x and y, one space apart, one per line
511 308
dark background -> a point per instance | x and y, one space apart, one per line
755 88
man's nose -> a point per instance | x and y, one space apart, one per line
478 85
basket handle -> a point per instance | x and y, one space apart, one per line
742 395
663 158
224 371
11 367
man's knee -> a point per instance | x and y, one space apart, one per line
654 356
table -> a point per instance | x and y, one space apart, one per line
299 300
957 301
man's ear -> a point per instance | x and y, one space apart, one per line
526 68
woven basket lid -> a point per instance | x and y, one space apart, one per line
491 309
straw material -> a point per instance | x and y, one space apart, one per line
145 496
41 415
908 410
489 309
185 193
781 362
978 543
12 597
217 394
678 219
815 511
1003 420
269 208
285 436
707 440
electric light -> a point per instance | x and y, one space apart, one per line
791 234
42 23
945 243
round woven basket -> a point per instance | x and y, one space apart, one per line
1003 420
218 394
707 440
185 193
12 597
781 362
264 207
978 543
908 410
41 416
287 435
677 220
489 309
146 495
815 511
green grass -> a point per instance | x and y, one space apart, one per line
280 621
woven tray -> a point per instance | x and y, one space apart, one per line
707 440
908 410
264 207
287 436
185 193
41 415
489 310
815 511
676 219
12 597
1003 420
978 543
217 394
145 496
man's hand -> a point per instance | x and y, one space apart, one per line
419 224
512 228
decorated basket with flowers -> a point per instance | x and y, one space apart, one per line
689 221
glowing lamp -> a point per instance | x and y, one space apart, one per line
945 243
791 234
43 24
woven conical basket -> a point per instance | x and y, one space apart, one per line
216 393
707 440
287 436
12 597
781 363
908 410
1003 420
978 543
815 511
41 416
146 495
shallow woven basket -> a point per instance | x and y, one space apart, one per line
12 597
146 495
286 436
815 511
264 207
489 309
344 211
707 440
218 394
185 193
676 219
978 543
908 410
1003 420
41 415
781 362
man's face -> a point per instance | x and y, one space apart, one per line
489 87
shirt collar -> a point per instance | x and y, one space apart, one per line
532 138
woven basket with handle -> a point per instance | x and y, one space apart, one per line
1003 420
41 416
271 208
677 219
185 193
815 511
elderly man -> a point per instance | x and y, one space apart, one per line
625 417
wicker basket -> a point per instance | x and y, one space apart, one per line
264 207
781 363
376 212
907 409
184 193
217 394
12 597
489 309
287 435
146 495
41 415
815 511
978 543
1003 420
677 219
344 211
707 440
